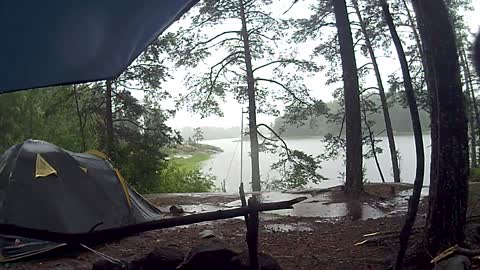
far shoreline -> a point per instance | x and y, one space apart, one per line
246 139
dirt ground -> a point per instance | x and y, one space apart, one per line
325 246
296 242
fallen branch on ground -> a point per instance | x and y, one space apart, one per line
105 235
456 250
382 236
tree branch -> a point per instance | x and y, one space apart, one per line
286 89
212 39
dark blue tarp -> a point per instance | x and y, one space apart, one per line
52 42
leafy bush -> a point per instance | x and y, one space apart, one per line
170 176
175 178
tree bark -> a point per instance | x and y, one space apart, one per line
417 131
252 111
109 119
446 218
353 119
383 98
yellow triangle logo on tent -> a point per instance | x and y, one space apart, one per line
42 168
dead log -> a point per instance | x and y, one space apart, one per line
101 236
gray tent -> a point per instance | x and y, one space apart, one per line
45 187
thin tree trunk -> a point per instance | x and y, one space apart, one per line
446 218
80 119
109 119
353 119
469 82
414 30
471 104
417 131
473 137
252 112
372 143
383 98
30 111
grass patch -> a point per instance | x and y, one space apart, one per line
191 163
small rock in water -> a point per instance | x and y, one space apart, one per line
207 234
176 209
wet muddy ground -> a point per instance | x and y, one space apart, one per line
318 233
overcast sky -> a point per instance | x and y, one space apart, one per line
232 110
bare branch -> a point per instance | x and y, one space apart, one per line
290 61
212 39
284 87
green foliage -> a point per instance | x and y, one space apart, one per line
297 169
48 115
176 177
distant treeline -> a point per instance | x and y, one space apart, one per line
211 133
320 126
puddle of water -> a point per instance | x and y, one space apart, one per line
319 206
266 197
299 227
353 210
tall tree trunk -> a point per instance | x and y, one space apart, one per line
417 132
353 119
80 119
383 98
109 119
252 112
448 195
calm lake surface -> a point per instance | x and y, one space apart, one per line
226 165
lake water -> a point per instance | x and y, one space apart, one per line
226 165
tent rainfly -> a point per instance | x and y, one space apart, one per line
53 42
45 187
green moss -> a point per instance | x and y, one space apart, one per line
475 175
